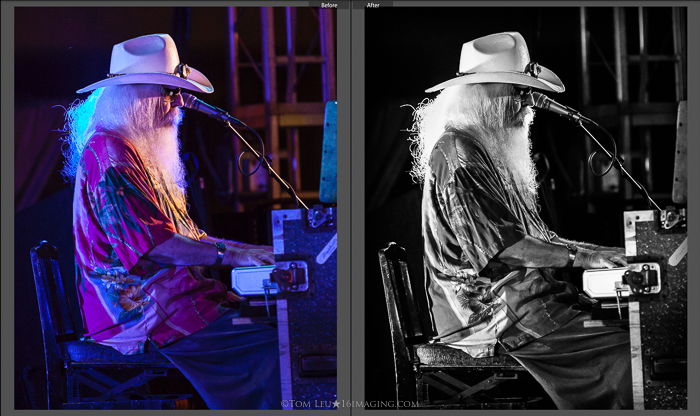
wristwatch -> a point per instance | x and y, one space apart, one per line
572 254
220 251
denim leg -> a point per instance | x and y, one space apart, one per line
582 368
231 366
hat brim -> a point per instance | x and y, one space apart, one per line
546 80
196 81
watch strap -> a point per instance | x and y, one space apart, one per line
220 252
572 254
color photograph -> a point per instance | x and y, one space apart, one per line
175 183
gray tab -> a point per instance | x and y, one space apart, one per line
376 4
330 4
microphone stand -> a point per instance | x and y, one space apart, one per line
284 184
616 161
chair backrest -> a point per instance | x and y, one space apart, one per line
404 321
56 321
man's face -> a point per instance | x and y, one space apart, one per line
523 113
172 100
523 117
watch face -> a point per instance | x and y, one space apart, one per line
220 253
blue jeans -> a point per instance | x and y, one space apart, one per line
231 366
582 368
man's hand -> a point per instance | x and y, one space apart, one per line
241 257
233 297
601 258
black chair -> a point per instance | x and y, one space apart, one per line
435 375
86 375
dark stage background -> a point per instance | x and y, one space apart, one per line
410 49
61 49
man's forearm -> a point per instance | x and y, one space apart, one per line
184 251
533 252
587 246
579 244
210 239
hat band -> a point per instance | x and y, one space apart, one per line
182 71
533 69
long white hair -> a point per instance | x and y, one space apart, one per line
138 114
491 114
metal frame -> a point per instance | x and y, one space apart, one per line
278 117
624 113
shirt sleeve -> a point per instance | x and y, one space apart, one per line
477 208
125 205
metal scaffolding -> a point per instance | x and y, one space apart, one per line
280 116
632 109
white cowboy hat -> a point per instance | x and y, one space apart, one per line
151 59
501 58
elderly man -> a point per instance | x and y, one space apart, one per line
488 254
137 250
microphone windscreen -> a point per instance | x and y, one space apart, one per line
188 100
540 100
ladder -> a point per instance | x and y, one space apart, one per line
281 116
633 112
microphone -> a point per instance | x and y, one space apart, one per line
546 103
193 103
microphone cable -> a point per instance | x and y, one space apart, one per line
262 159
239 158
615 160
614 156
544 102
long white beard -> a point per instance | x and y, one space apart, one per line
517 152
160 150
511 150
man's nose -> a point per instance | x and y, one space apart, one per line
178 101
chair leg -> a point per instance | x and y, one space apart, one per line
72 386
421 389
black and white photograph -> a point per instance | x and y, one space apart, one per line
525 207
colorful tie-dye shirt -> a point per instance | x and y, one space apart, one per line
118 217
470 213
